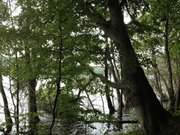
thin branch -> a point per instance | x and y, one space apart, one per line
84 87
58 83
91 103
117 85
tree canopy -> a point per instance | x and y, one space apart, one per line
67 65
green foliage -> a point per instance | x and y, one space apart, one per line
68 107
44 25
136 132
177 114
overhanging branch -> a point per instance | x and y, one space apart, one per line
118 85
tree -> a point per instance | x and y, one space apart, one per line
142 95
107 89
9 122
57 42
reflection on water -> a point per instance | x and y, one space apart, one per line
62 127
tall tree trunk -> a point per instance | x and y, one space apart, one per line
116 77
140 93
153 116
120 108
170 77
158 85
17 107
33 118
33 115
7 114
17 96
107 89
177 103
59 76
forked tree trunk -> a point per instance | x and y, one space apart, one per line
140 93
155 119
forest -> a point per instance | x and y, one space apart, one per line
89 67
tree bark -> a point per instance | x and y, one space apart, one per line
157 77
7 114
177 103
140 93
116 77
107 89
153 116
17 108
33 118
17 96
170 74
59 74
33 115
